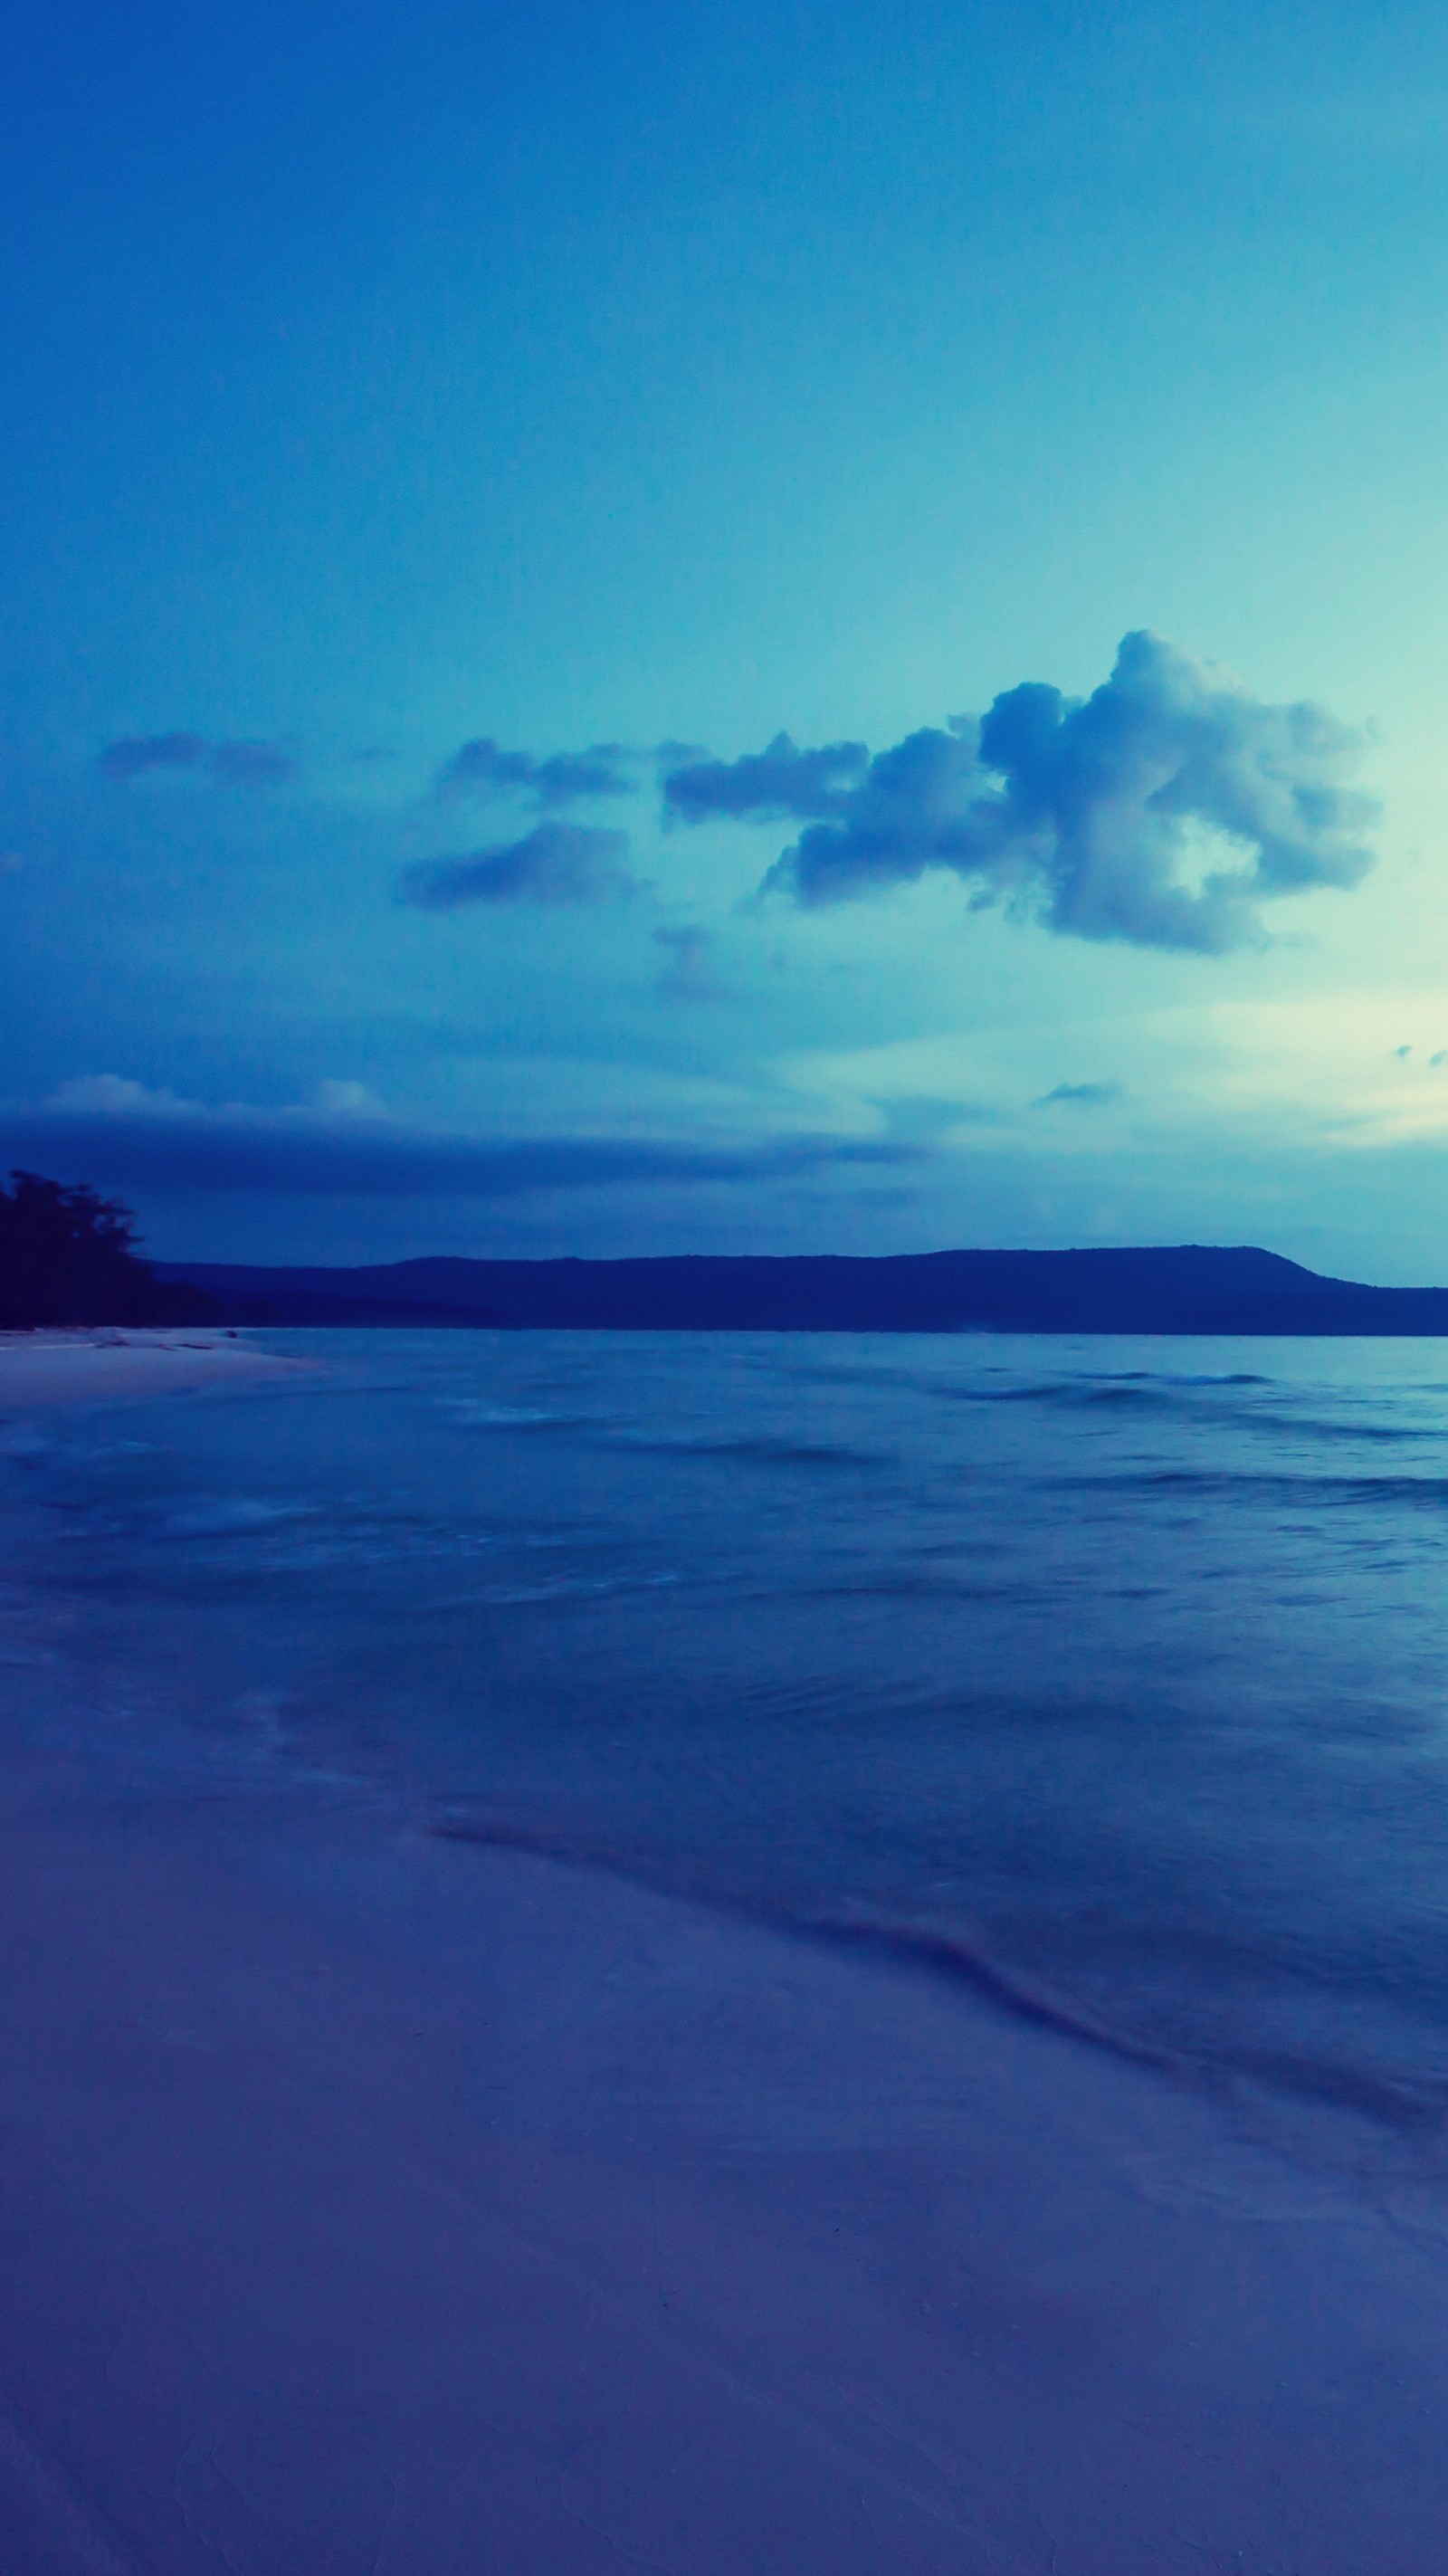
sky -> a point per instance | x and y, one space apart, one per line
791 628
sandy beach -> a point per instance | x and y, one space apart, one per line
378 2203
112 1364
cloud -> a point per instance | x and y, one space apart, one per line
231 764
555 864
131 759
1084 1095
119 1135
250 764
561 778
770 785
1163 810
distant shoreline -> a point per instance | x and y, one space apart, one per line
1171 1289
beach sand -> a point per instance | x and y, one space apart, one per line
374 2203
111 1365
379 2204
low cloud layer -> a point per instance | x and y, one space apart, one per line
558 778
230 764
556 864
117 1135
1165 809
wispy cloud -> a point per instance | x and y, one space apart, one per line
251 764
1164 809
230 764
555 864
556 778
1079 1095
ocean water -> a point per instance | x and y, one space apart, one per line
1110 1676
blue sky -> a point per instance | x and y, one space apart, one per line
382 384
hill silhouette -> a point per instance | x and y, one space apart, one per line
1180 1288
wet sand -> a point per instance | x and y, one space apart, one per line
387 2206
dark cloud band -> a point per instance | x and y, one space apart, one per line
290 1154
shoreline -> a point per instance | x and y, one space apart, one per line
427 2208
119 1364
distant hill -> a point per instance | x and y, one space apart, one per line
1181 1288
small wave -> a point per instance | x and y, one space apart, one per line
768 1452
25 1446
1198 1377
1069 1395
1426 1492
495 1833
481 1416
1401 2101
229 1519
1372 1434
1421 1493
1128 1389
1021 1593
567 1587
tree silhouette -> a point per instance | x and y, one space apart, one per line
68 1256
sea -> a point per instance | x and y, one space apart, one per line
1105 1677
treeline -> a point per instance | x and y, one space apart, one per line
68 1256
